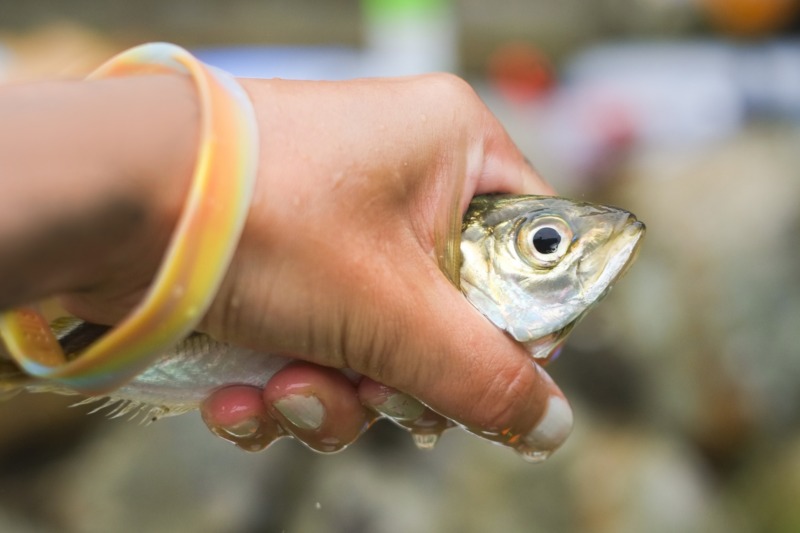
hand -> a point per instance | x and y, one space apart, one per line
361 185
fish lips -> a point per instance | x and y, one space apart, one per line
621 252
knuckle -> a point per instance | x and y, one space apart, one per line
450 88
371 348
509 400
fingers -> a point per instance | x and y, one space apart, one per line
316 405
238 415
425 425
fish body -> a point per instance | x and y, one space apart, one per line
533 265
177 381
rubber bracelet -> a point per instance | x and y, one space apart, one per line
198 254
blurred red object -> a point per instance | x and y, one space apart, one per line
750 18
520 72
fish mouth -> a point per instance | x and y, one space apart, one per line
623 249
632 234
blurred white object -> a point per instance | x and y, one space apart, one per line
670 95
674 94
402 37
769 77
684 93
287 62
410 37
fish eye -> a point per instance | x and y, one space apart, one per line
544 241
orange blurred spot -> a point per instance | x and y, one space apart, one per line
520 72
750 18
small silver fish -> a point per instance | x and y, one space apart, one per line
533 265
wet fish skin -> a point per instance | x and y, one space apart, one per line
536 297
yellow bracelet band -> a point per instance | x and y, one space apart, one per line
198 255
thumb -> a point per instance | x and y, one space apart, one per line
459 364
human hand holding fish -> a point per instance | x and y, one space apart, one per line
356 213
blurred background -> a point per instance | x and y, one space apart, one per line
685 382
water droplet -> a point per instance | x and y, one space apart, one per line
425 441
533 456
318 506
425 429
244 429
249 439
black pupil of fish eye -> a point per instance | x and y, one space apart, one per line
546 240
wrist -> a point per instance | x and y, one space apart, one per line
156 135
157 295
96 173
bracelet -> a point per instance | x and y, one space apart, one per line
198 254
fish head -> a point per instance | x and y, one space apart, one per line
534 265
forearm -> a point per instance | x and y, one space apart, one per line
88 171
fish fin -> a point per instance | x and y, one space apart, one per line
119 407
7 394
12 379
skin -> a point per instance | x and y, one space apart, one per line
359 184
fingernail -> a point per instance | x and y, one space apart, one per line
553 428
400 406
246 428
304 412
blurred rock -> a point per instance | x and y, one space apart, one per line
767 490
633 479
714 302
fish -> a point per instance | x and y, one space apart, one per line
533 265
